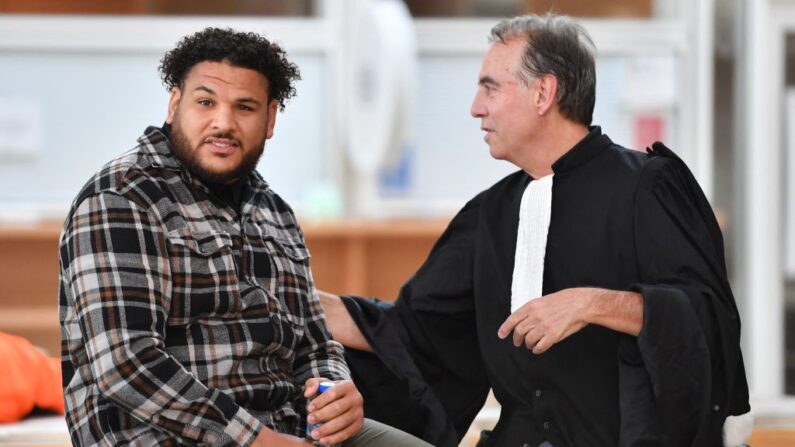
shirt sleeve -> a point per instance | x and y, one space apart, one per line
426 375
317 354
689 342
116 257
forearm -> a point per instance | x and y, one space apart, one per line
341 324
617 310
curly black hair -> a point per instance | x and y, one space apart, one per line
241 49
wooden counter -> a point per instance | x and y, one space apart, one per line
362 257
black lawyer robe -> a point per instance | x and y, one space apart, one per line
621 220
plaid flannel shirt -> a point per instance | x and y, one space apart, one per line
183 320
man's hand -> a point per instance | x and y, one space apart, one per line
269 438
547 320
340 409
544 321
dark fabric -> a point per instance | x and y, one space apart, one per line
230 195
621 220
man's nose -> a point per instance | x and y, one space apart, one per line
223 119
477 110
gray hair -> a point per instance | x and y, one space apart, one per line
558 46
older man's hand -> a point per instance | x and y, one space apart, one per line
547 320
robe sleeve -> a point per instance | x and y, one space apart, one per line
426 375
689 343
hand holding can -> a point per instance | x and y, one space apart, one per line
322 386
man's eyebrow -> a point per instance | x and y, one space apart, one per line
486 80
204 89
250 100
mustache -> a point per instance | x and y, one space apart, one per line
225 135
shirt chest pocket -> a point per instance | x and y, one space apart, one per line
203 273
281 266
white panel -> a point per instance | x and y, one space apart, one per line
95 104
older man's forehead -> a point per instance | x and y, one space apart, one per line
500 60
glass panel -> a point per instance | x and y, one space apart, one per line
636 104
102 102
160 7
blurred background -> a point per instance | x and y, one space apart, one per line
378 150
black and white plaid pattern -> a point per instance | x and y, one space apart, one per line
184 320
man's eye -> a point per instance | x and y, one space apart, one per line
205 102
244 107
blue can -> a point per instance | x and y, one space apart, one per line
323 386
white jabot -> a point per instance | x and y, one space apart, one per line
531 242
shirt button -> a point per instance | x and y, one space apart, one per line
716 407
526 445
538 393
547 425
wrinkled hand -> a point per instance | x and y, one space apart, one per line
340 409
547 320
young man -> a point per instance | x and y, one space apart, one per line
189 314
588 290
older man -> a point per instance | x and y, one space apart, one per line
588 290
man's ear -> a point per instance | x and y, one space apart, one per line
173 101
546 93
273 108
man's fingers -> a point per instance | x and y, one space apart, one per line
510 323
339 423
532 338
543 345
521 330
338 391
341 435
331 411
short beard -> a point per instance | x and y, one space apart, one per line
189 157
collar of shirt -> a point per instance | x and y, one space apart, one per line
588 148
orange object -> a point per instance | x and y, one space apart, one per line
28 379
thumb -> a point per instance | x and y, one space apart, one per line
310 386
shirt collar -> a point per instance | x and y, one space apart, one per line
587 148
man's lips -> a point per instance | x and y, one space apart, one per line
222 146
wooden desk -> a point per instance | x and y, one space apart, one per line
362 257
